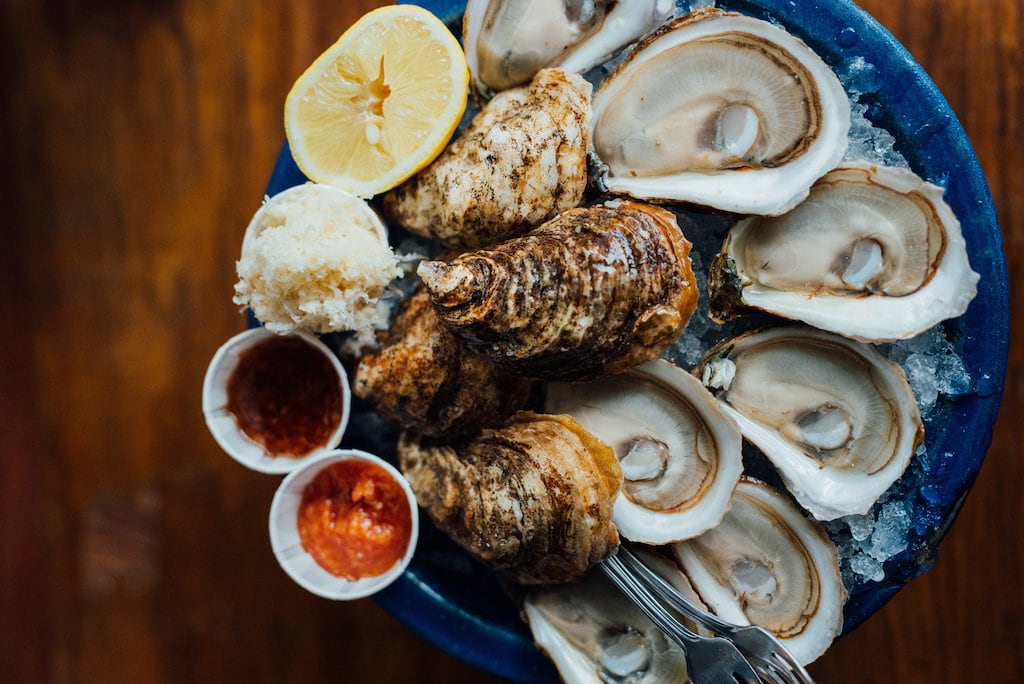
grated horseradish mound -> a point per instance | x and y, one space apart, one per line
315 258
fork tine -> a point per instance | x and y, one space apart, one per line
756 642
799 672
709 661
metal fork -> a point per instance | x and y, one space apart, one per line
764 651
708 660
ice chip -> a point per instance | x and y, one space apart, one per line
920 371
867 567
860 526
859 76
890 534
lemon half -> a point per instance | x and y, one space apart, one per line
379 104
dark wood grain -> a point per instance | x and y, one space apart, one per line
138 138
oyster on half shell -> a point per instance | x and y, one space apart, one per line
837 419
507 43
766 564
722 110
873 253
679 451
593 633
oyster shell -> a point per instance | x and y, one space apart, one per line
522 161
424 379
533 499
722 110
766 564
680 453
593 633
837 420
873 253
593 291
508 42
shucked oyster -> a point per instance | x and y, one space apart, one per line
768 565
723 110
522 161
593 291
837 419
423 378
593 633
873 253
508 42
679 451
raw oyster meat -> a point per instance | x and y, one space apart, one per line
507 42
837 419
723 110
533 499
424 379
522 161
873 253
595 634
679 451
596 290
766 564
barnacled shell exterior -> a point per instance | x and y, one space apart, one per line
423 378
522 161
532 500
594 291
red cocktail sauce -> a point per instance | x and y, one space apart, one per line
354 519
286 396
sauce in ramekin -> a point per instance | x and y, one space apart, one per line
354 519
284 394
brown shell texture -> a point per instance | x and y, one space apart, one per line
594 291
533 500
522 161
423 378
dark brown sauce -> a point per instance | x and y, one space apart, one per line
285 396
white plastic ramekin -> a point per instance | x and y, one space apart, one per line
298 563
223 425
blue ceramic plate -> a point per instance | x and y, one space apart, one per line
458 606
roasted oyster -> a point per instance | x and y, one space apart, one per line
873 253
424 379
837 420
522 161
596 290
766 564
508 42
533 500
679 451
723 110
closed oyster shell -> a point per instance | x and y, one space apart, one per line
594 291
423 378
532 500
522 161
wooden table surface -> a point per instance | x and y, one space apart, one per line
139 139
